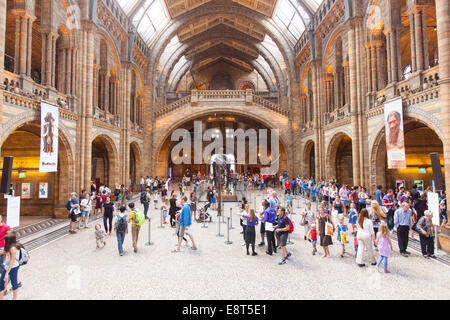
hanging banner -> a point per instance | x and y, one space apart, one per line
13 212
395 139
49 138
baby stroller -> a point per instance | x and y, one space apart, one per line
203 213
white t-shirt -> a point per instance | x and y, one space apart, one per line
367 229
86 205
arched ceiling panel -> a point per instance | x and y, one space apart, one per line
205 23
197 49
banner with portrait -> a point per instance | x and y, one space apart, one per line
395 138
49 138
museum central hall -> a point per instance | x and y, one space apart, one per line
125 74
270 150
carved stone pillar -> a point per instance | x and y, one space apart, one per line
443 34
24 23
95 85
61 84
394 54
352 43
48 58
2 39
381 70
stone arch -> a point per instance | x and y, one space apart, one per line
246 84
112 165
64 178
308 169
163 133
377 149
136 168
332 162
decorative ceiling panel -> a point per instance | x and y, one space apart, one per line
230 60
203 24
265 7
229 43
177 7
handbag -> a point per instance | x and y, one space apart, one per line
329 230
303 221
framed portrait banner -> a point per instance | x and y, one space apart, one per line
48 161
25 190
395 138
44 190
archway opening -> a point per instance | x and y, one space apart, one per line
224 125
340 165
420 141
101 163
42 193
309 160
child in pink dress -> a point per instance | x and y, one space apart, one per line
384 245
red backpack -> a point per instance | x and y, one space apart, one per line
291 225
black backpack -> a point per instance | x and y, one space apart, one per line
144 197
122 224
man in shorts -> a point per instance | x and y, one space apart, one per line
283 231
185 223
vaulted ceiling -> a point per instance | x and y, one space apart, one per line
190 35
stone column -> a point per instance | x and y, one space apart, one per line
95 86
24 22
394 54
443 27
62 60
412 31
381 70
106 92
85 70
48 58
347 82
373 67
68 71
2 49
2 40
421 46
354 101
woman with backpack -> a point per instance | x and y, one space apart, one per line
11 265
121 228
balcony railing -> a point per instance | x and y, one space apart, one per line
419 88
15 83
246 97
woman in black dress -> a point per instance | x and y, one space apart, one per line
193 199
325 240
173 209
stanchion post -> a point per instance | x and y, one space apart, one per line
231 218
218 223
149 243
223 213
161 225
228 232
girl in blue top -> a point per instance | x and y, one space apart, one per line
252 221
353 215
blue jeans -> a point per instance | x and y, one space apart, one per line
12 278
146 205
381 259
120 238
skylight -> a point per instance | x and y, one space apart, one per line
291 16
148 16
